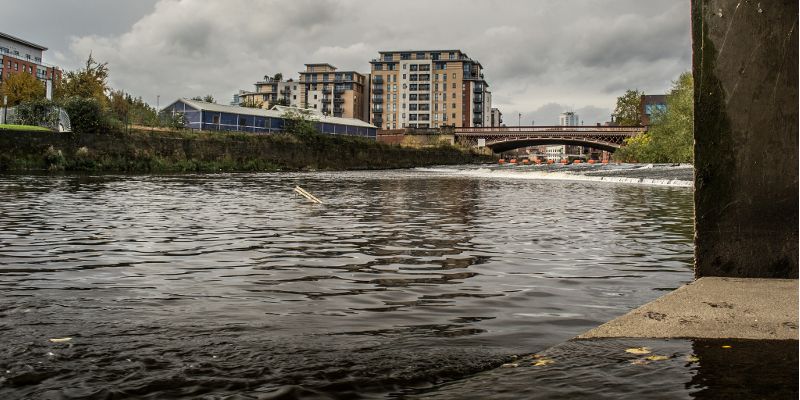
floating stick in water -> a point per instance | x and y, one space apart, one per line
307 195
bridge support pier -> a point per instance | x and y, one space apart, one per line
746 138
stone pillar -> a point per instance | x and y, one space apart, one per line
746 138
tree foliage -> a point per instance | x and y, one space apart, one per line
21 87
90 82
299 123
670 138
627 112
207 98
251 102
38 112
130 110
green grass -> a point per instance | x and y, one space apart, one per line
29 128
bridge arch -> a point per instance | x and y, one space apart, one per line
516 143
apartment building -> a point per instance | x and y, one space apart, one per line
556 153
19 55
343 94
496 118
428 89
270 92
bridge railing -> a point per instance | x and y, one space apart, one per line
553 129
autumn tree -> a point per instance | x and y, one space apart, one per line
89 82
22 87
670 137
628 112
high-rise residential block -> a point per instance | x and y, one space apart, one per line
342 94
428 89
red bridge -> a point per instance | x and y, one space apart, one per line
500 139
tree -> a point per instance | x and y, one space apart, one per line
627 112
89 82
86 115
278 77
299 123
207 98
670 138
251 102
22 87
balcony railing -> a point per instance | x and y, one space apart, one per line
377 99
377 80
326 91
477 89
477 99
338 100
378 90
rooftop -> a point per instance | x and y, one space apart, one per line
22 41
275 112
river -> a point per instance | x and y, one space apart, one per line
231 286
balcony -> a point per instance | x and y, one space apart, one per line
326 91
338 100
338 110
477 99
377 80
378 90
377 100
477 110
338 90
477 120
477 89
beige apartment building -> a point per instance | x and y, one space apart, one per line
428 89
343 94
270 92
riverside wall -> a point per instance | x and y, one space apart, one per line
146 151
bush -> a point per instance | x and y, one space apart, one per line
88 116
37 113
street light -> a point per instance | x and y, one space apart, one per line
519 121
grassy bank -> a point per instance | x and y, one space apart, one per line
182 151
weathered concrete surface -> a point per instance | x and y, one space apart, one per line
746 130
713 308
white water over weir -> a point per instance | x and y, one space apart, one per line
649 174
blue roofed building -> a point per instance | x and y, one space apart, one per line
205 116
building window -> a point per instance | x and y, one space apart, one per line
215 119
454 86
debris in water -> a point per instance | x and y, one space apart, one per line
640 361
510 365
638 350
692 358
50 354
725 346
307 195
541 362
60 340
657 358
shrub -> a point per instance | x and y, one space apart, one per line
88 116
38 113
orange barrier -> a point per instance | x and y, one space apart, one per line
576 162
526 161
591 161
537 161
549 161
605 161
501 161
513 161
565 162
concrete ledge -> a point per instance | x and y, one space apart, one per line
711 308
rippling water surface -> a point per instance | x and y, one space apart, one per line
231 286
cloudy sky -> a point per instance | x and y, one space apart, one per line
540 57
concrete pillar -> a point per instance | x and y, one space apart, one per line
746 138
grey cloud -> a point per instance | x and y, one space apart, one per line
581 53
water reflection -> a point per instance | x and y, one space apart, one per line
179 286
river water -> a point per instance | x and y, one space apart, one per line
231 286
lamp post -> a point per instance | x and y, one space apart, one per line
519 120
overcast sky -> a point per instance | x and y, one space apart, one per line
540 57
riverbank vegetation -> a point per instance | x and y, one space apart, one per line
149 151
104 137
670 137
